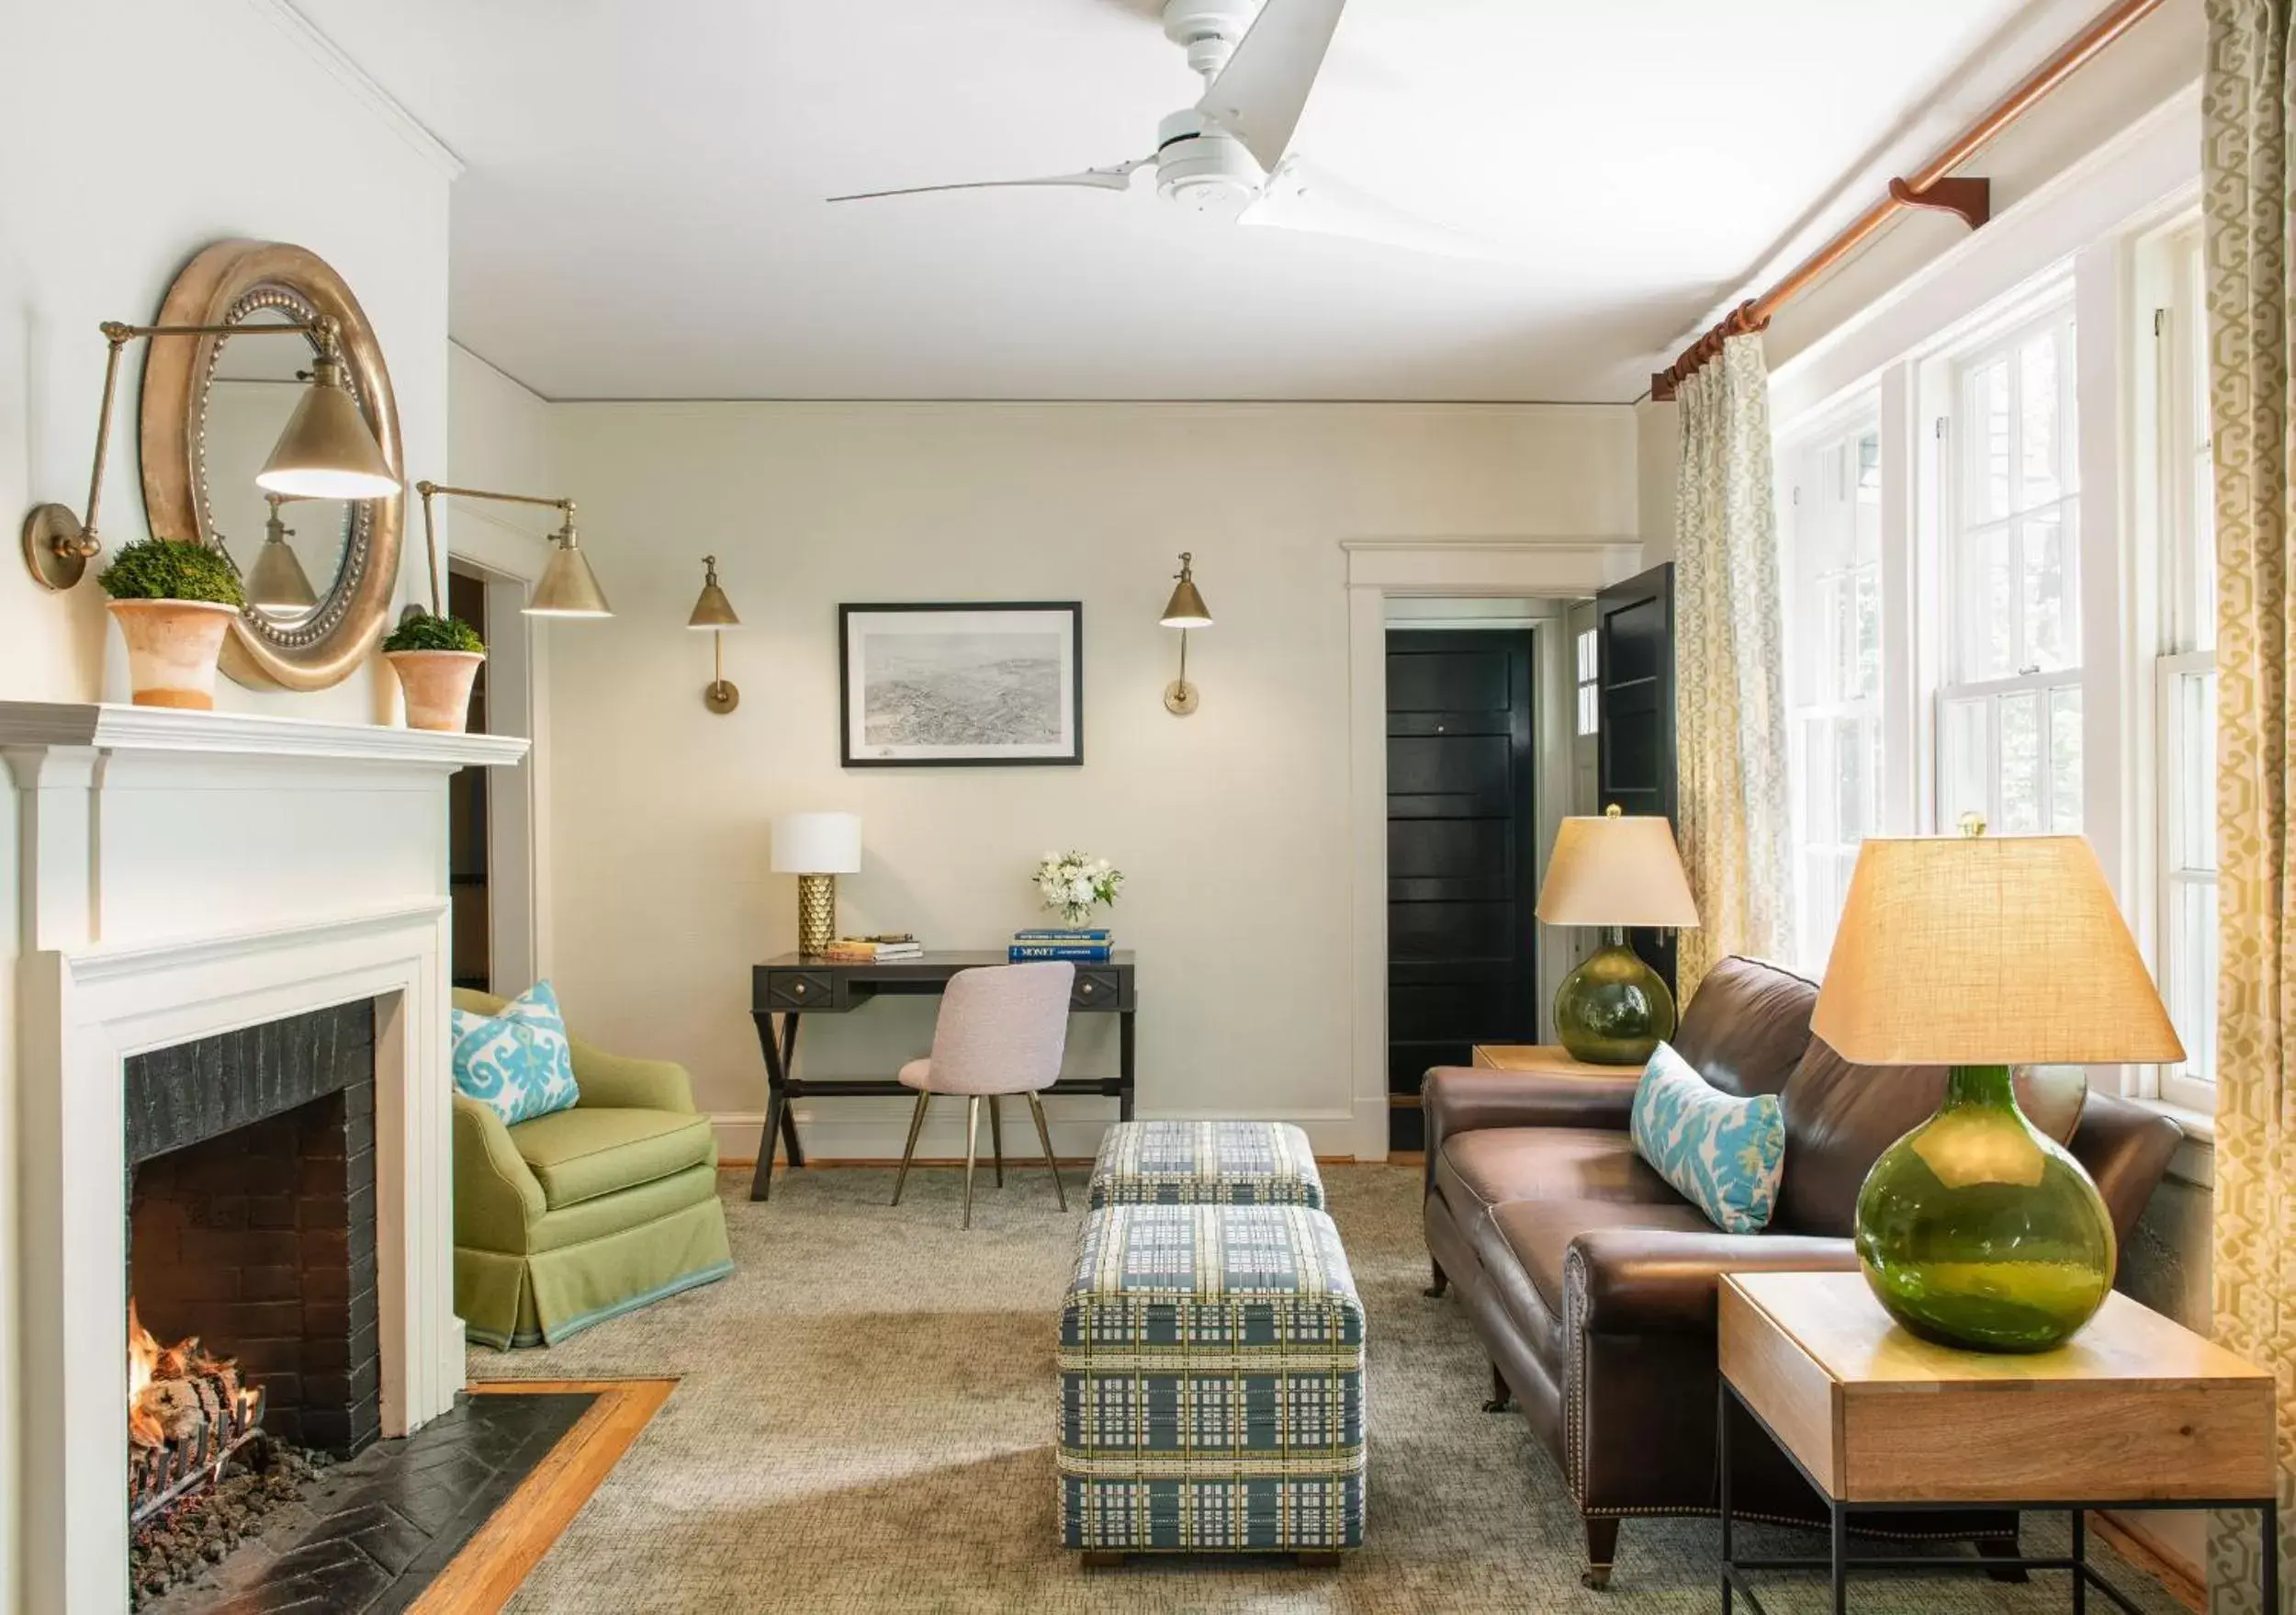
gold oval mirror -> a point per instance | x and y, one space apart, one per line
320 572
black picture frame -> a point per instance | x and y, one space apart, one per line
1064 618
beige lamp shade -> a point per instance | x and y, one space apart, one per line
817 843
1987 951
1616 870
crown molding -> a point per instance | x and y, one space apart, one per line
388 108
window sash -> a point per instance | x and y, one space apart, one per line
2187 953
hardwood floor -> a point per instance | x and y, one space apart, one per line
489 1569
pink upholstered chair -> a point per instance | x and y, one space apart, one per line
1002 1030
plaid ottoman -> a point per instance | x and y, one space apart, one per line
1211 1383
1202 1163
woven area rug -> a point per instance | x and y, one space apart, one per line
865 1415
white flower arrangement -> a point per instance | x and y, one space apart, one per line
1072 884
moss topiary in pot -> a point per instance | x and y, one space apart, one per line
173 601
437 660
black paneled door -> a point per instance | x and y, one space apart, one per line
1461 854
1635 697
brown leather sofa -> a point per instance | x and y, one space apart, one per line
1592 1284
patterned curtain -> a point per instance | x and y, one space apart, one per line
1729 676
2245 117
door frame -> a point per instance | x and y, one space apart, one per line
511 560
1380 569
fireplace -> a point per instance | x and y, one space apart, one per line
189 885
251 1216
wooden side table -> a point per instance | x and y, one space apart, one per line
1551 1058
2136 1413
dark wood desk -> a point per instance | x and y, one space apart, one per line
798 985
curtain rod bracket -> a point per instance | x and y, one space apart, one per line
1970 200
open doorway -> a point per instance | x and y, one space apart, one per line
469 849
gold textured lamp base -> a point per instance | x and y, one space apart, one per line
816 912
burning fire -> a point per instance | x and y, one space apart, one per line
175 1392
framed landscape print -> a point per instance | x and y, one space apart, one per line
962 686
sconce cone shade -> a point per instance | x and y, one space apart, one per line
327 451
1616 871
276 582
817 843
1987 951
1186 608
568 587
712 610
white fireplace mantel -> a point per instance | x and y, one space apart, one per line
182 874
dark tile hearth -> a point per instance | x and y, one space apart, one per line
369 1535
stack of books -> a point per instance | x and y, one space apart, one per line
1084 944
875 950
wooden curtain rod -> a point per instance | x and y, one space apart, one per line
1971 198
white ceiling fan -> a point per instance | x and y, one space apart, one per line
1230 153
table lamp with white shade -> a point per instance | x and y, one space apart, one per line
1981 954
817 848
1614 872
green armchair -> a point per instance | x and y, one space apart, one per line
572 1218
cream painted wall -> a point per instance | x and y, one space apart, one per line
135 132
1230 825
1657 454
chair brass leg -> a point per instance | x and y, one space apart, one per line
997 1135
971 1147
1044 1136
916 1125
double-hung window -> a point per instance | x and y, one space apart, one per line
1835 672
2009 707
2184 681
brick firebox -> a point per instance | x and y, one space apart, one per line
251 1214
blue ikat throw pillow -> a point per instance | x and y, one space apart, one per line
517 1062
1724 1154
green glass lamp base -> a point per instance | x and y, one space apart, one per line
1977 1231
1613 1008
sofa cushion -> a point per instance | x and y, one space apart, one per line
1524 1243
515 1060
581 1153
1840 1117
1745 1028
1721 1151
1478 1171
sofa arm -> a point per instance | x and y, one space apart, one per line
1460 1098
616 1082
2126 1149
496 1196
1634 1281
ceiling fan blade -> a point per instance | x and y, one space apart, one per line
1259 96
1299 196
1116 178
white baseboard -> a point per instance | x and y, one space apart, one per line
874 1130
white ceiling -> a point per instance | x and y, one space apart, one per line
641 213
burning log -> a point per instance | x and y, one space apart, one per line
187 1412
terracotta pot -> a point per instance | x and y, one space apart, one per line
172 648
437 686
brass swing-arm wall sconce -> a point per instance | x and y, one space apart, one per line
1186 610
277 581
567 587
327 451
714 612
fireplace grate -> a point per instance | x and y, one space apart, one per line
157 1477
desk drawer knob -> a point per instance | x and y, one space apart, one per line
1086 989
799 988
